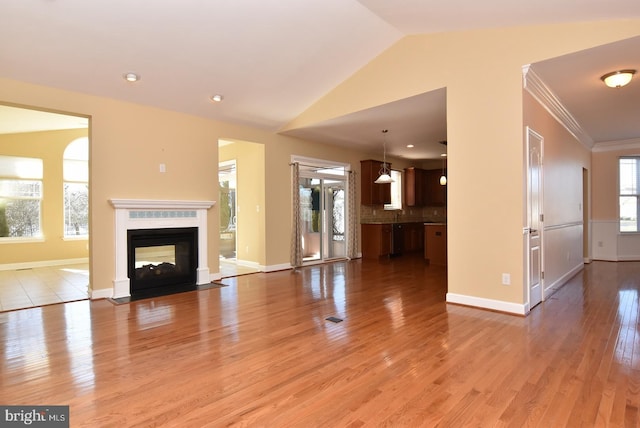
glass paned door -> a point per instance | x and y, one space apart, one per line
323 212
334 216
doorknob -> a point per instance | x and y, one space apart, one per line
533 230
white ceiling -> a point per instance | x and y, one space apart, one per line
272 59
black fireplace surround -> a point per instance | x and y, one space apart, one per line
164 274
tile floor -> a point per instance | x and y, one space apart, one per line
27 288
229 268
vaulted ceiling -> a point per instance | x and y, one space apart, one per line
272 59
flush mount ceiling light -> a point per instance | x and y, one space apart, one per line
131 77
410 146
618 79
217 98
385 173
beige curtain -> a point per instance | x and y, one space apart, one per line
352 224
296 222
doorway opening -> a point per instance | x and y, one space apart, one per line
228 217
38 269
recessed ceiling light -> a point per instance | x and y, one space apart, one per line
444 155
217 98
410 146
131 77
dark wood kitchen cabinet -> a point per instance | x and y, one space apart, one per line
413 237
370 192
414 187
376 240
435 244
436 193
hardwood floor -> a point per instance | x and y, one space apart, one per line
260 352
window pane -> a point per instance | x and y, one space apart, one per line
396 191
17 167
76 209
76 170
20 189
19 217
628 213
628 176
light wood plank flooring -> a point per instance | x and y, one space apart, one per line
260 352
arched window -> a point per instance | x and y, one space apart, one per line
76 188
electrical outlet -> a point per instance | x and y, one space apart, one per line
506 279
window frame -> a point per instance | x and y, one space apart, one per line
396 189
633 194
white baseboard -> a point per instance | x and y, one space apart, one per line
249 264
494 305
274 268
555 286
105 293
43 263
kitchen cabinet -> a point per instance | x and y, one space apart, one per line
414 187
376 240
413 237
435 243
370 192
436 193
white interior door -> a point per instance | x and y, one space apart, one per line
535 218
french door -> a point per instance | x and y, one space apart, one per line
323 213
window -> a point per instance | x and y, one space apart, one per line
76 188
20 197
629 193
396 191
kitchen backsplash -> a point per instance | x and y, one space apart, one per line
375 214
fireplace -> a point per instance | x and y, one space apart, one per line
162 261
155 225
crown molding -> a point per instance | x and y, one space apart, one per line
541 92
608 146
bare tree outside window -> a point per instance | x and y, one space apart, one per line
76 210
20 208
76 188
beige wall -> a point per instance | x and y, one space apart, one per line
604 185
482 71
48 146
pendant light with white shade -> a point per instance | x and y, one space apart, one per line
385 173
443 177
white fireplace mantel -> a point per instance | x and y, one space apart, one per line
156 214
